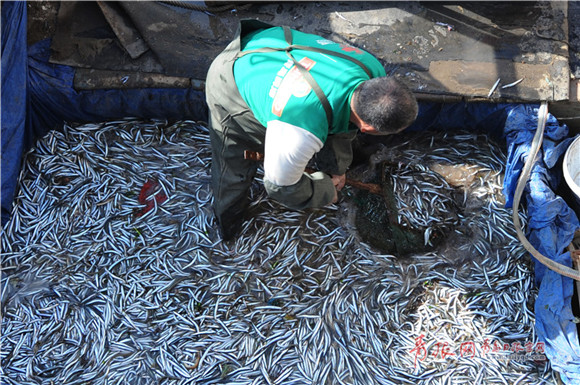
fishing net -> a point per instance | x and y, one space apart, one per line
442 193
416 211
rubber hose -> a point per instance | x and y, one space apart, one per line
523 179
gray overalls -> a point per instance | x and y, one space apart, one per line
234 129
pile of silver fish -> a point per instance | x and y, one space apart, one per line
436 206
113 273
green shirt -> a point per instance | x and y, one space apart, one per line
275 90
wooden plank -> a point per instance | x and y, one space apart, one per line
91 79
476 79
568 111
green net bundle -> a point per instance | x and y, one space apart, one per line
417 209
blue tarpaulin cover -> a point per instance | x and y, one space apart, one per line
551 227
38 96
16 133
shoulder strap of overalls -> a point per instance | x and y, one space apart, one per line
303 71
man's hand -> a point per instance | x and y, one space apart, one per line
339 181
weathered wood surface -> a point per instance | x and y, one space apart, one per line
439 49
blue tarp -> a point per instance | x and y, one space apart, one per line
16 133
551 227
38 96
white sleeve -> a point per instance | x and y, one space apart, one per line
288 149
